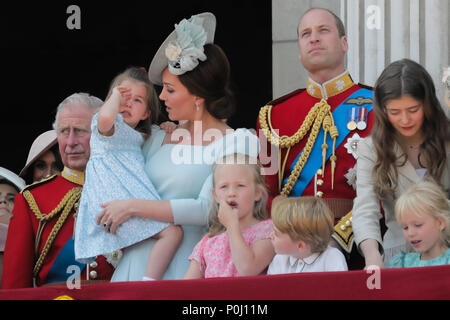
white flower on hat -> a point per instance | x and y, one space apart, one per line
173 52
185 52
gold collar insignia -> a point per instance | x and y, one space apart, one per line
73 176
330 88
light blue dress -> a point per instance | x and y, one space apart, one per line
182 174
115 170
412 259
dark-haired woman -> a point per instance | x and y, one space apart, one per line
43 159
195 75
410 141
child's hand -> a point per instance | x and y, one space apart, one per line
227 215
168 127
123 93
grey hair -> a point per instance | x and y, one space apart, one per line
92 102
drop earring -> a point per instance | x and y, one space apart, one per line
197 106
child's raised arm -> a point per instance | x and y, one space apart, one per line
110 109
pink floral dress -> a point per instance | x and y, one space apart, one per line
214 254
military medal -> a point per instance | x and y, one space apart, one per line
362 124
351 125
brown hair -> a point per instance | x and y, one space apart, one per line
407 78
305 219
28 176
210 80
153 105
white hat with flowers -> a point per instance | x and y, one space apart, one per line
183 49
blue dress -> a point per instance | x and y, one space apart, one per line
115 170
183 176
412 259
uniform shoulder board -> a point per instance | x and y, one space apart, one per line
38 183
285 97
343 232
365 86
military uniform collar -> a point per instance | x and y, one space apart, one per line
331 87
73 176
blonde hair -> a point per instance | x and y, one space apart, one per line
425 197
259 208
305 219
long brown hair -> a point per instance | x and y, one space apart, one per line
407 78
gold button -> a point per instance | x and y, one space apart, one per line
343 228
319 172
320 182
94 264
93 274
347 223
319 194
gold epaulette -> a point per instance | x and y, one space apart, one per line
39 183
343 232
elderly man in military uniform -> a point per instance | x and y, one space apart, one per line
40 247
316 130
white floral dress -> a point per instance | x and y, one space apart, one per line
115 171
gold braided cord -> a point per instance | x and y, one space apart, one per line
306 151
66 204
46 217
286 141
319 115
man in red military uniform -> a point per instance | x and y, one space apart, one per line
316 130
39 248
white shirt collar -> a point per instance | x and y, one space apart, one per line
308 260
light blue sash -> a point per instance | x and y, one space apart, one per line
340 116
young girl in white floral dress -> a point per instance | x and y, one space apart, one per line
116 171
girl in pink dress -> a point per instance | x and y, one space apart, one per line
238 242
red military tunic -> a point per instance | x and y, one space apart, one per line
19 256
288 114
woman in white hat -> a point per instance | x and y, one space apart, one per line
10 185
43 158
195 75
